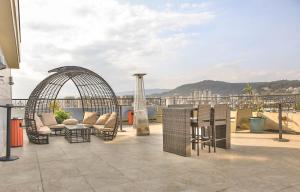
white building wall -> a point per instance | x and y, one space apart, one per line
5 98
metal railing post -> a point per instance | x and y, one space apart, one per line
280 120
280 139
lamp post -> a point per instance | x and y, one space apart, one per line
140 121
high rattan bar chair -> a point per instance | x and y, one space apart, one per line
219 118
204 131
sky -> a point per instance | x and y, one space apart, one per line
174 41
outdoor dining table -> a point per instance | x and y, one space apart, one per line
179 131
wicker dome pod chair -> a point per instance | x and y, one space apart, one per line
95 93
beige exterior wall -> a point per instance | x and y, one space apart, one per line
291 121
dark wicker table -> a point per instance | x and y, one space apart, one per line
77 133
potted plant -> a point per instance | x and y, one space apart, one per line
60 114
257 123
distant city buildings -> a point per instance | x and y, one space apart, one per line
294 90
201 94
196 96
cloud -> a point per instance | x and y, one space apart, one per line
47 27
227 65
237 71
193 5
114 39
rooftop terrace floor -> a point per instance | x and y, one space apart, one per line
255 163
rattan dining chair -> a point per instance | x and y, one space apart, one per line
204 131
219 117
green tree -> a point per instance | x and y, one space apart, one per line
248 89
54 106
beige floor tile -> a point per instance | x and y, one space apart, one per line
129 163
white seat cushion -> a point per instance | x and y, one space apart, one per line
38 122
102 128
44 130
112 120
58 126
102 119
88 125
107 129
49 119
70 122
98 127
90 118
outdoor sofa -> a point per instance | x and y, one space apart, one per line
105 125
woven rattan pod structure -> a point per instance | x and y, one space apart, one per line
95 93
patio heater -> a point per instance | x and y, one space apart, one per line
140 121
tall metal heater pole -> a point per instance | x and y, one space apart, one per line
280 139
280 120
140 121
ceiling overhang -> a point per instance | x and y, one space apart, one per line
10 32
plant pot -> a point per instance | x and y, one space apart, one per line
257 124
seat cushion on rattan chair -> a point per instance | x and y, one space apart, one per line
70 122
102 128
48 119
88 125
107 129
90 118
112 120
98 127
45 130
58 126
102 119
38 122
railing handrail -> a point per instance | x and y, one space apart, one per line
235 101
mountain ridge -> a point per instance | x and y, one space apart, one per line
226 88
147 92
